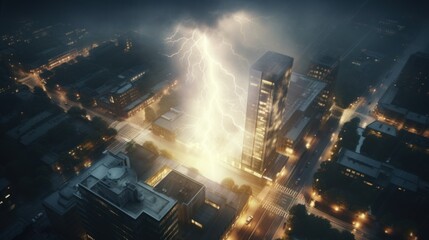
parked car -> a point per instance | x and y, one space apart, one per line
37 217
249 219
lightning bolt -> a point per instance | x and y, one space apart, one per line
217 101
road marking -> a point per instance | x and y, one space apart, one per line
285 190
274 208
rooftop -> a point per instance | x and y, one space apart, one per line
136 103
325 60
378 170
123 87
414 139
179 186
295 132
383 128
133 74
360 163
173 120
28 125
60 201
118 185
42 129
301 93
273 65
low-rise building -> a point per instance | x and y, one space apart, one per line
189 194
378 174
380 129
403 104
169 125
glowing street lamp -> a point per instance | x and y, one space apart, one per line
336 208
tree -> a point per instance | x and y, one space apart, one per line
168 101
111 132
228 183
38 91
380 148
245 189
131 146
99 124
148 145
166 154
150 114
311 227
77 112
349 137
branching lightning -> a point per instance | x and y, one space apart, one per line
216 97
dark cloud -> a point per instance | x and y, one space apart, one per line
204 12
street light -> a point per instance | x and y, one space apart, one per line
357 224
336 208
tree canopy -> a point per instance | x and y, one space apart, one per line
311 227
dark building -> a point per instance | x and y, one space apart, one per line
380 129
325 68
107 202
189 194
303 111
269 80
378 174
404 104
170 124
62 212
122 95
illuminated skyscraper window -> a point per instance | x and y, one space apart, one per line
269 80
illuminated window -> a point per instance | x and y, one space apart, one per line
196 223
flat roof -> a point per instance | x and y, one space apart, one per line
295 132
58 200
414 139
174 121
325 60
123 87
418 118
302 91
28 125
360 163
136 102
383 127
373 168
110 180
42 129
405 180
179 187
135 72
273 65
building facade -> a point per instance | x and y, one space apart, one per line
108 202
269 80
114 206
325 68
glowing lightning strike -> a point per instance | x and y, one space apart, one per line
216 101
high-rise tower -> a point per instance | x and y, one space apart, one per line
269 80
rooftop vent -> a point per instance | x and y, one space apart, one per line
115 173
